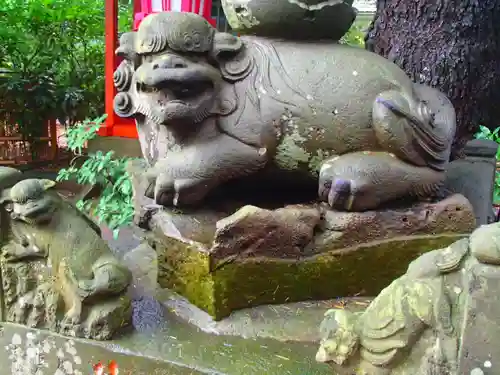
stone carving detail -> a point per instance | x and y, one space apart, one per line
212 107
305 20
57 272
415 325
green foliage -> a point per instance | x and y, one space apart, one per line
52 59
114 207
485 133
355 36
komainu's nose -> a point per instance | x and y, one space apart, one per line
169 62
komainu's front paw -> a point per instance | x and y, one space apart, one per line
85 288
359 181
339 193
71 318
14 252
180 192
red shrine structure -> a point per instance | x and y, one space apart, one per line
116 126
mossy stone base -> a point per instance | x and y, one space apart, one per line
366 270
297 253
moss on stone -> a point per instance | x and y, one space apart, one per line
291 153
250 282
184 268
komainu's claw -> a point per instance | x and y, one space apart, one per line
340 195
361 181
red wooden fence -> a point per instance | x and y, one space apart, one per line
14 150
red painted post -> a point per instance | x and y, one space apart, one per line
110 63
116 126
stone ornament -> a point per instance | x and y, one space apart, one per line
212 108
418 324
57 271
300 20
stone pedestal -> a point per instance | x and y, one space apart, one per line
223 261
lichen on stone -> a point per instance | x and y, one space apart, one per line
316 161
291 152
243 19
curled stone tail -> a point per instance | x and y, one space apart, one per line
425 140
418 128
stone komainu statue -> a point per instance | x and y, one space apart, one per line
212 107
415 325
84 291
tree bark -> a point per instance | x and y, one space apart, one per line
452 45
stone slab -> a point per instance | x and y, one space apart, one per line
481 147
234 254
292 322
170 346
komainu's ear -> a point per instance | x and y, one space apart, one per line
47 184
126 48
232 56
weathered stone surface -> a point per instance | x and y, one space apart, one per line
480 330
256 256
143 263
451 215
474 177
440 317
290 322
254 232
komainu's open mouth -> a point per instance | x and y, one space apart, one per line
180 84
178 92
175 94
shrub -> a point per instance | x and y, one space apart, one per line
493 135
52 60
355 36
114 207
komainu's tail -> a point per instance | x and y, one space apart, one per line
419 127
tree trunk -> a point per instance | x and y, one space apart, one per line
452 45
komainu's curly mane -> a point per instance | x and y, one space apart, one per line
268 77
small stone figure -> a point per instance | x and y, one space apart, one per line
415 325
212 107
82 269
